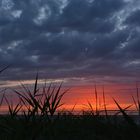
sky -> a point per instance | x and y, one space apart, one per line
77 41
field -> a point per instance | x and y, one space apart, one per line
84 127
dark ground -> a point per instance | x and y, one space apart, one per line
68 128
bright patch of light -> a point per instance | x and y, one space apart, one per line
1 50
4 84
62 4
16 13
133 63
7 4
33 58
124 44
86 49
121 16
14 44
44 13
90 1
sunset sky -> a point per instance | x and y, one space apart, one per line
80 42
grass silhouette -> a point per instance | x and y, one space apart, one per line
36 117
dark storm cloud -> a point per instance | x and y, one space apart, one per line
69 38
80 15
134 18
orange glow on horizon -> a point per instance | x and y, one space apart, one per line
79 96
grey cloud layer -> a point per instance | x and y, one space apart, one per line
70 38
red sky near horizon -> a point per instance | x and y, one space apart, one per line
80 95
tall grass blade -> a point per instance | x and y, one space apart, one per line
4 68
126 117
104 102
96 99
135 103
91 107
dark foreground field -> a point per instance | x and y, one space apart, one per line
36 117
85 127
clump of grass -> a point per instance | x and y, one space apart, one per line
96 111
37 106
43 101
13 110
93 107
131 123
126 117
